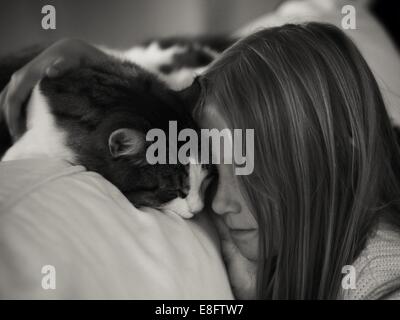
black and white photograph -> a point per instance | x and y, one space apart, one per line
199 153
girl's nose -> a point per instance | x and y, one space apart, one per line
224 202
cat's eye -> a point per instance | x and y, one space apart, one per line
182 194
176 193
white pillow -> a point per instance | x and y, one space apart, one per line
101 246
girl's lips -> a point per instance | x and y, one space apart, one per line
242 229
240 221
239 232
238 227
231 226
242 232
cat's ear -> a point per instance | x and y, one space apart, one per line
190 95
125 142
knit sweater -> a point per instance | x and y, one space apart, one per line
377 268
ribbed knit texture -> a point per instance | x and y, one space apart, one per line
377 268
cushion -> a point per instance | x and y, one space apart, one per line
62 218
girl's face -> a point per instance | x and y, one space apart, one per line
227 200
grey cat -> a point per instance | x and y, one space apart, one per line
98 115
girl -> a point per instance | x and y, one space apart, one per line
324 193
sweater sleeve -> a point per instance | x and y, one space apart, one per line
377 268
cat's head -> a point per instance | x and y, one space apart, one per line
105 111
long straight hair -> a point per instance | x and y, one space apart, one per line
326 159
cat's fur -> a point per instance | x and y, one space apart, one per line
98 115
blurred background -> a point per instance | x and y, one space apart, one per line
122 23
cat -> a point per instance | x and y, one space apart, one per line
176 60
98 115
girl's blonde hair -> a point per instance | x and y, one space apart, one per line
326 159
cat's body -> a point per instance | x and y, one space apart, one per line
98 116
